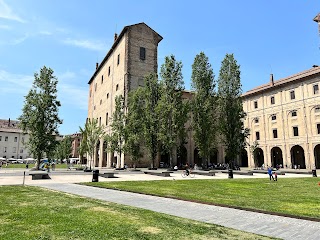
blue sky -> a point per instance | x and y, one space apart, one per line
70 36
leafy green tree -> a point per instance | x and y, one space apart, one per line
151 118
63 149
231 114
39 116
254 151
171 109
204 111
93 133
83 148
134 125
115 140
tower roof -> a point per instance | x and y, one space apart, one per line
116 42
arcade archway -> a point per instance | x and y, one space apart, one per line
244 158
297 157
197 158
258 157
276 157
317 156
182 156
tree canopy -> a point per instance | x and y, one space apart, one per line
39 116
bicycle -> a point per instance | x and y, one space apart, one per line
184 174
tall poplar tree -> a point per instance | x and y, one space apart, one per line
171 109
134 125
151 118
39 116
231 109
204 114
115 141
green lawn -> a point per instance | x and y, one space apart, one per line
294 196
34 213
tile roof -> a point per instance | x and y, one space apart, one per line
269 86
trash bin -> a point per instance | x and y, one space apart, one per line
95 176
230 173
314 173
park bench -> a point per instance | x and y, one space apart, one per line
239 172
206 173
107 175
39 175
162 174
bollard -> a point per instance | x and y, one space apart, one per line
314 173
24 177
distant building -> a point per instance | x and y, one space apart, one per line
12 140
284 118
76 139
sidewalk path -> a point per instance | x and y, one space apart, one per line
264 224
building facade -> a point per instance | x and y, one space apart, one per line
12 140
133 55
284 120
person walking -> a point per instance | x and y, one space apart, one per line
270 173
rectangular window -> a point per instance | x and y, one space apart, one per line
100 101
107 118
275 133
15 139
102 79
0 138
257 135
100 121
317 110
294 113
118 60
315 89
255 104
5 149
21 150
292 95
117 87
256 120
272 100
14 149
107 95
274 117
95 87
318 128
109 71
142 53
295 131
6 138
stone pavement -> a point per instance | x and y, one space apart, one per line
259 223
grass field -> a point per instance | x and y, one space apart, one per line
294 196
34 213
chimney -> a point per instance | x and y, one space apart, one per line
9 123
97 65
271 79
115 36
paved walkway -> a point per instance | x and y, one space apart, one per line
268 225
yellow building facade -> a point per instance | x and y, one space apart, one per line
284 119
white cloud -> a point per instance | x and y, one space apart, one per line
14 83
69 94
19 40
47 33
88 44
6 13
6 27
